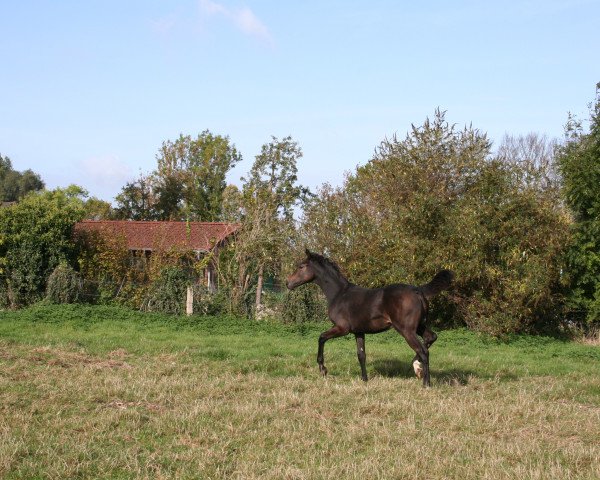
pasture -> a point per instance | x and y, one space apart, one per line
103 392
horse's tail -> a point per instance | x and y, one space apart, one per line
441 281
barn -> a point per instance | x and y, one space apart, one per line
144 237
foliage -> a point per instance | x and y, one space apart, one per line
303 305
4 297
533 155
36 236
167 293
234 269
188 183
96 209
269 196
15 185
136 200
440 199
207 302
65 285
133 278
190 176
232 208
272 181
579 163
108 268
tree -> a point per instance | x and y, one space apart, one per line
533 154
169 192
579 164
191 176
97 209
13 184
232 204
269 195
188 183
439 199
136 200
36 236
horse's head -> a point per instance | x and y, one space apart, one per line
304 273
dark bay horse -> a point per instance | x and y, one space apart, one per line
359 310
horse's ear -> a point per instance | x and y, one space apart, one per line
308 252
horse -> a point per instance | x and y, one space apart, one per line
358 310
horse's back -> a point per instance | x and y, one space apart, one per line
401 292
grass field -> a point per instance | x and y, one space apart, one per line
99 392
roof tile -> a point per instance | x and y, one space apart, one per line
156 235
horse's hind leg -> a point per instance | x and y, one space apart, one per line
422 354
429 336
362 356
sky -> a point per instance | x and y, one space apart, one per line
90 89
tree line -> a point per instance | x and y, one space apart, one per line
14 185
518 225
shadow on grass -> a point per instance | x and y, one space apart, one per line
447 376
395 368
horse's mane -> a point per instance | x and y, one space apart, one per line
328 264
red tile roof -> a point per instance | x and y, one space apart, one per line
200 236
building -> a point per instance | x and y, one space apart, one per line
144 237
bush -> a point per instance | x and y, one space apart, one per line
4 300
168 293
210 303
441 199
304 304
35 237
64 285
109 270
579 163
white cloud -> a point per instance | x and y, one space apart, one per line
164 25
104 176
212 8
243 19
250 24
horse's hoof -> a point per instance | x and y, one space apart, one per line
418 367
323 371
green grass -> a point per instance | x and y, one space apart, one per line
103 392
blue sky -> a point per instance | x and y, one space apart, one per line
90 89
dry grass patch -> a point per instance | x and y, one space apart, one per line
67 414
592 338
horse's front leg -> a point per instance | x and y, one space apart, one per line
362 355
333 332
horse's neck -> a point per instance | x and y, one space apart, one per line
331 285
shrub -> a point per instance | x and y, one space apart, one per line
441 199
108 269
168 293
579 163
304 304
35 236
210 303
4 300
64 285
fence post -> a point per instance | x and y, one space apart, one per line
189 302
